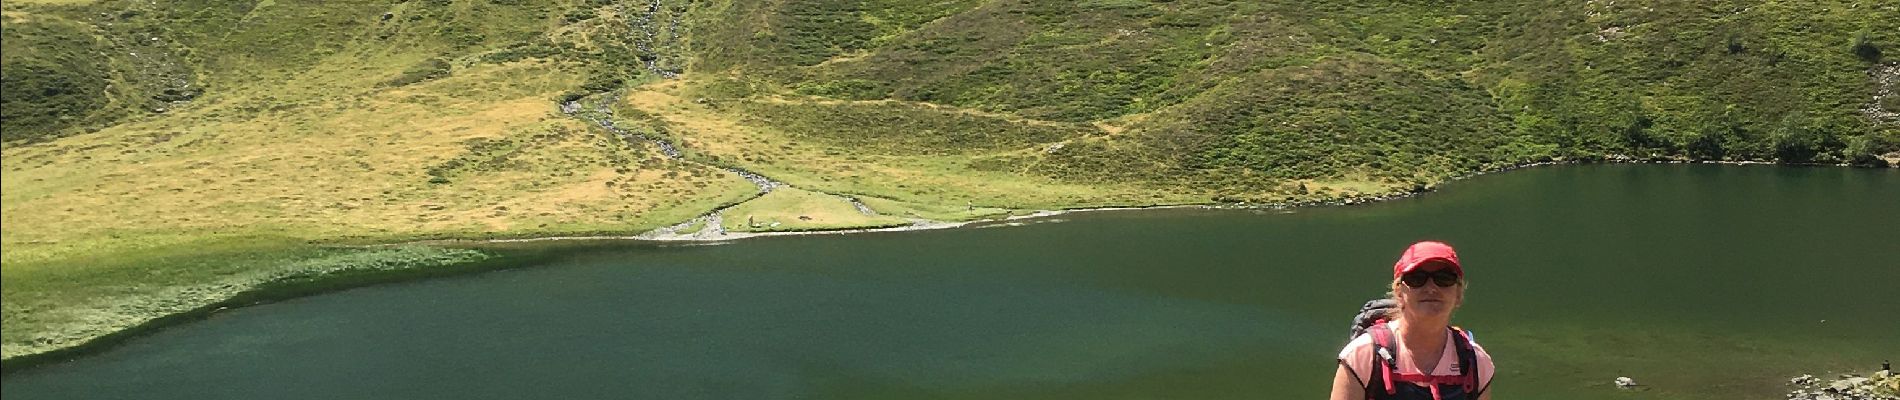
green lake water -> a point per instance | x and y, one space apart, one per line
1701 282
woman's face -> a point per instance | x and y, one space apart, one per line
1429 299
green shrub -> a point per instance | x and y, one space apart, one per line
896 128
427 70
1865 49
848 89
53 77
38 99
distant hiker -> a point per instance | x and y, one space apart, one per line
1408 349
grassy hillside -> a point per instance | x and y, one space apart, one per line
317 125
1391 90
154 147
63 73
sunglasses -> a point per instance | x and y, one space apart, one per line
1443 277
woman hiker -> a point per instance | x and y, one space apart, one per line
1411 351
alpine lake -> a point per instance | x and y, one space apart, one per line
1697 281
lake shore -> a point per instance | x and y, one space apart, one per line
341 269
191 305
1881 385
1196 272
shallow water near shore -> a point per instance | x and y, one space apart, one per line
1699 281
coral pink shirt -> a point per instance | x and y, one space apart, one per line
1358 357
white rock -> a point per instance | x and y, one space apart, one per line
1802 380
1849 384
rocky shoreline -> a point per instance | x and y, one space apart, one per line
1882 385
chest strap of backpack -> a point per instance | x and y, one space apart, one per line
1386 356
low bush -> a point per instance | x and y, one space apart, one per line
430 69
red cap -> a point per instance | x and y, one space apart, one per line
1425 251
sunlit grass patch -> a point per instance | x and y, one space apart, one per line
712 132
792 209
58 2
108 229
482 152
935 212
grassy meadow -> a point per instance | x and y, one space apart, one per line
828 150
792 209
288 155
152 150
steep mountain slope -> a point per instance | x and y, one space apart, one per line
1393 90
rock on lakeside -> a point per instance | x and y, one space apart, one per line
1882 385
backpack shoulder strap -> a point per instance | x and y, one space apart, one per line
1467 358
1384 358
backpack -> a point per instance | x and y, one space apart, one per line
1381 384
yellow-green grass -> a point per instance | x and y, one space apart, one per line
935 212
134 216
793 209
713 132
333 169
707 132
50 2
